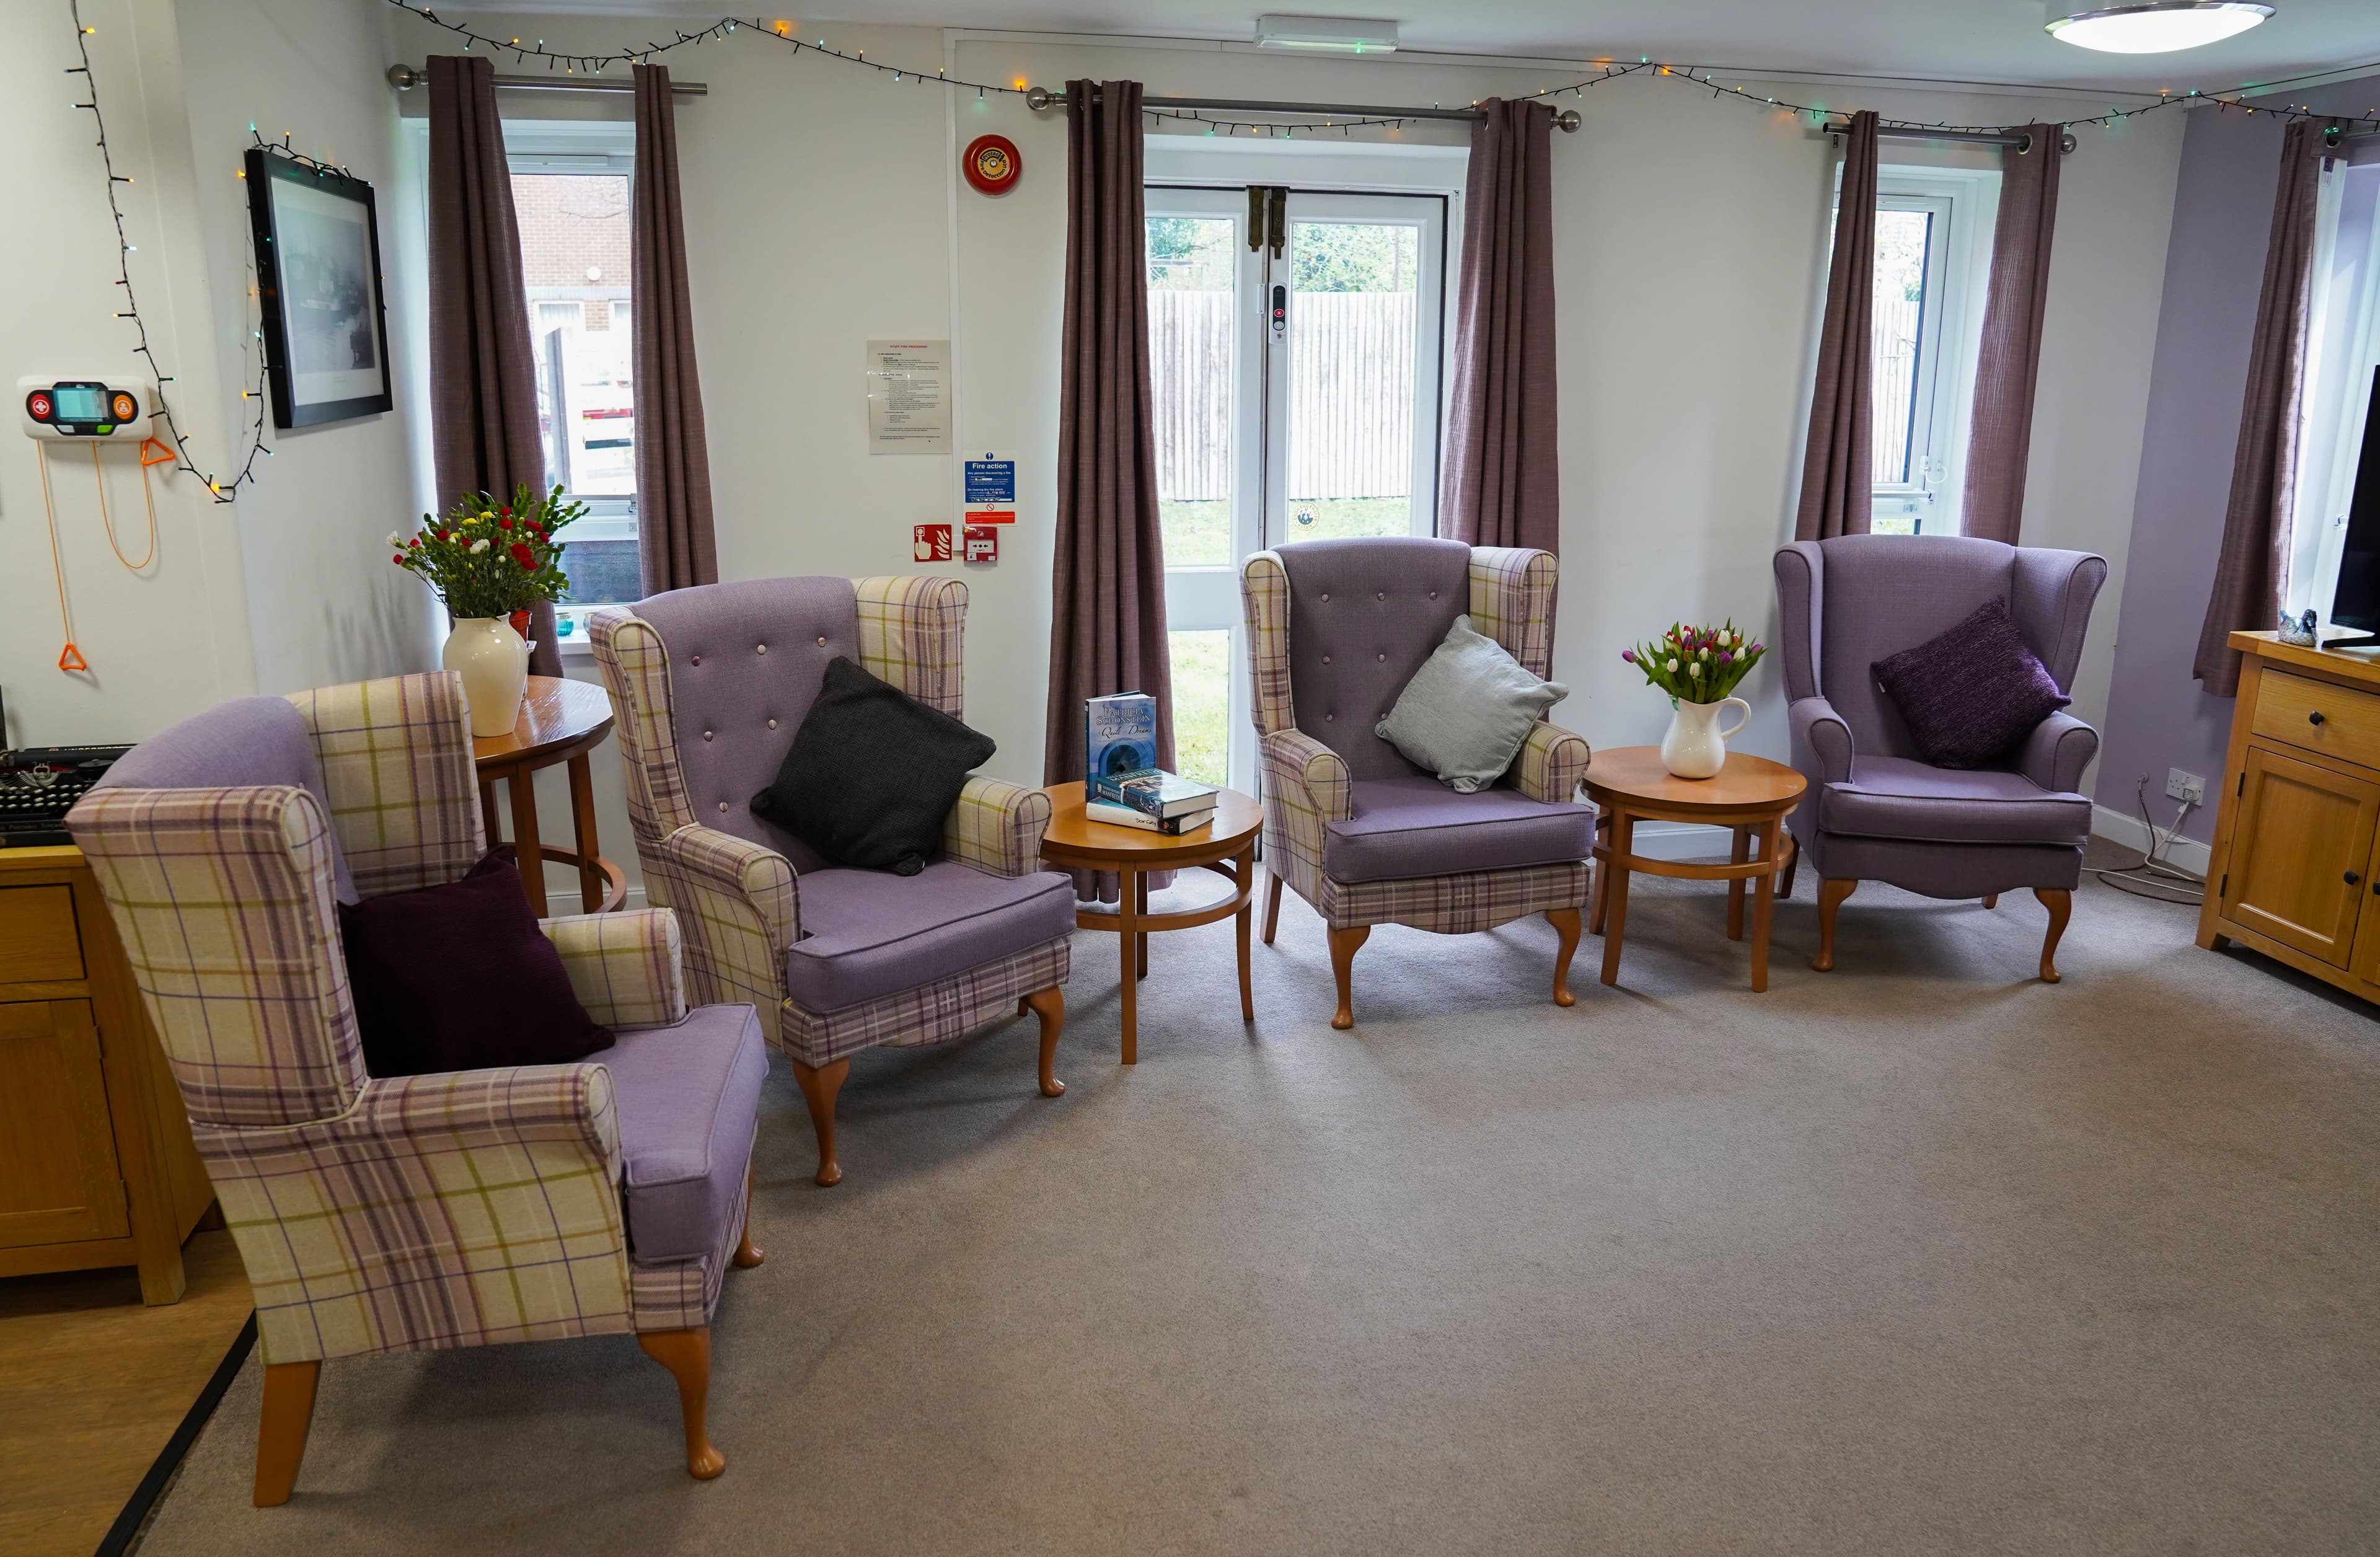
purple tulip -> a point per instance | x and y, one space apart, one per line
1757 649
1725 658
1629 655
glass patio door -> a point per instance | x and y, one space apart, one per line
1297 399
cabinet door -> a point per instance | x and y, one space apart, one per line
58 1177
2298 860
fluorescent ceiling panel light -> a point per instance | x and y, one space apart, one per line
1335 34
2159 28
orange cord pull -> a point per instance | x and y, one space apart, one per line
69 658
154 453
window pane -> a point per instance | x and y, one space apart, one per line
575 262
1202 696
1352 326
1896 327
1190 272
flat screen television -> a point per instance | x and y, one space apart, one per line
2356 602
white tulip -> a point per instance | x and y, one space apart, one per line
1697 669
1673 667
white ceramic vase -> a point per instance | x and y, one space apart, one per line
493 663
1695 747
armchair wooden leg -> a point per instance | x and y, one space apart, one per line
1566 925
1049 1004
1272 903
1602 875
747 1254
1832 890
1343 946
2061 903
281 1428
686 1354
1991 900
819 1087
1785 883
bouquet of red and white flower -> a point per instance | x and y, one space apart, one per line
490 559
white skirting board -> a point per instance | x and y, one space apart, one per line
2127 831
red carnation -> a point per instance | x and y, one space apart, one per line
414 545
523 555
504 511
504 524
398 559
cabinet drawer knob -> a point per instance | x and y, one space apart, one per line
2314 718
2352 878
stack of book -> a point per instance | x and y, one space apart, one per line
1122 784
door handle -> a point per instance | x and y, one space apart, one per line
2352 878
2314 718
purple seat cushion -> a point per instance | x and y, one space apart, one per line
1971 693
1416 826
460 978
1899 797
246 742
870 933
688 1096
1363 615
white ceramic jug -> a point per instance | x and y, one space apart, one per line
1695 747
493 663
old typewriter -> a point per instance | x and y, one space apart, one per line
39 784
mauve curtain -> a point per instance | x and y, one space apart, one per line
483 434
2000 433
1838 481
673 535
1107 622
2251 571
1502 485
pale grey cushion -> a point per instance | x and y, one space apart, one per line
1466 713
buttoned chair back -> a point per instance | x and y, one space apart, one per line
1851 600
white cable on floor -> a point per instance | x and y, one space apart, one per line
2174 884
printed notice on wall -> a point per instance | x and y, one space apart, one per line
908 398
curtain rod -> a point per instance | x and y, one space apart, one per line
405 78
1567 119
2018 139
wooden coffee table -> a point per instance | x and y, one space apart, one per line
1226 846
1751 796
561 721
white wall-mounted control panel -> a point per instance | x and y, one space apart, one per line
79 408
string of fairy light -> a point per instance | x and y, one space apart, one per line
566 62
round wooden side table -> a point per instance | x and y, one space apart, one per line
561 721
1226 846
1751 796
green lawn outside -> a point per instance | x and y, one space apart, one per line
1202 684
1199 534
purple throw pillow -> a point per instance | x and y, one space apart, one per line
460 978
1973 693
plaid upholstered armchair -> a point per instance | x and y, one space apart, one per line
403 1213
1362 834
710 685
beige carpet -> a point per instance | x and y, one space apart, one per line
1917 1255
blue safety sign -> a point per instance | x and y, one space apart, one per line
991 479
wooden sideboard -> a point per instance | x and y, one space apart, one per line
96 1165
2295 873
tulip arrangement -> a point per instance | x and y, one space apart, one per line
1696 665
492 559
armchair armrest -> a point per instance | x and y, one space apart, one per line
739 906
1822 741
997 827
1305 789
1550 764
353 1228
623 968
2056 753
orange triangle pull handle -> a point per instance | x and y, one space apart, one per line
70 658
154 453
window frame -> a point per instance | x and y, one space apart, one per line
1958 265
584 147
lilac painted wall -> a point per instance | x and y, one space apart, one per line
2157 718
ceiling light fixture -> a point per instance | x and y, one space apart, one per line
2160 27
1331 35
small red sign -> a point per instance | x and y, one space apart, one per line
982 543
992 515
933 542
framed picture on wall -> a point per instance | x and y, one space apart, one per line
318 283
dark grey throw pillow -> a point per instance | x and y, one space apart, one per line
873 775
1973 692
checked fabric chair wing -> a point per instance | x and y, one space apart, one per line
1358 832
1876 810
383 1214
710 685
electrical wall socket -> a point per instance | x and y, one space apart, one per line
2179 785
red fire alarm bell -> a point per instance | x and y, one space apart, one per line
991 164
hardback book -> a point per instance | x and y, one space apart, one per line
1119 736
1124 816
1155 790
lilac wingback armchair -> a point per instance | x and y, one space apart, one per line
405 1213
1877 810
1359 833
710 685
